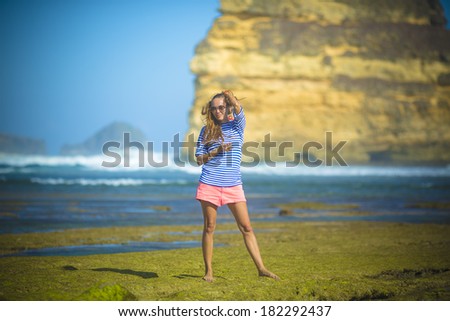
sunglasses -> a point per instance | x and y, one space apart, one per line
220 108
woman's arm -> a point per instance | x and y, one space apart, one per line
233 101
202 159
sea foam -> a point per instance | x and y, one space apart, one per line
105 181
21 163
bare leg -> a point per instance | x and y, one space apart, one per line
209 219
240 213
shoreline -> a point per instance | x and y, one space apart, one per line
350 260
420 212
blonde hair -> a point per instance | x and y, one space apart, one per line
213 127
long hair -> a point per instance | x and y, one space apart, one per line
213 130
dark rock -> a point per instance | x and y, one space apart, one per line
12 144
285 212
444 79
113 132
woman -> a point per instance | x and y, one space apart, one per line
219 151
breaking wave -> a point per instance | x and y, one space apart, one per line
31 164
105 181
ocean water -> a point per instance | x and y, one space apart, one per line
47 193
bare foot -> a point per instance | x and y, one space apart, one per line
208 278
269 274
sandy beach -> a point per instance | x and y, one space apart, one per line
316 261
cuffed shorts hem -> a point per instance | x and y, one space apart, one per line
220 195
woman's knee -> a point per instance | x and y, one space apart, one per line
246 228
209 228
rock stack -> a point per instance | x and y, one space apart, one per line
376 74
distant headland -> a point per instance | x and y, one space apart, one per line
23 145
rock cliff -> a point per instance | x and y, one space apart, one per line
374 73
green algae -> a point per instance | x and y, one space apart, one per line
11 243
431 205
161 208
315 206
315 260
104 292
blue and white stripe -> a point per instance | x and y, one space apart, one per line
224 170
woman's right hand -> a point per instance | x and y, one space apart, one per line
202 159
225 147
222 148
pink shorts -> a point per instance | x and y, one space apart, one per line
220 195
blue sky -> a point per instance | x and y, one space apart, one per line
70 67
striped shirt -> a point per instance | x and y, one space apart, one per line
224 169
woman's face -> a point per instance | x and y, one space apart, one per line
218 109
